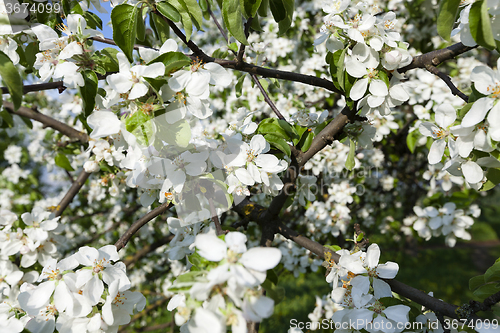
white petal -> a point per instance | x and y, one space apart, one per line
211 247
358 89
472 172
261 258
388 270
436 152
477 112
445 115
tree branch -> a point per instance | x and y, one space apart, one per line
72 192
139 223
47 121
436 57
266 97
454 90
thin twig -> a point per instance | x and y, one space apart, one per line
72 192
139 223
223 33
454 90
266 97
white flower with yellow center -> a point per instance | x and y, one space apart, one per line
445 117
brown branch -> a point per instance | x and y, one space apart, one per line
454 90
47 86
436 57
139 223
37 87
72 192
266 97
47 121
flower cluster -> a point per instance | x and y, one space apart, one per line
57 57
470 145
375 57
225 293
359 289
446 220
92 298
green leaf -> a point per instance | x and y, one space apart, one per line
308 141
106 58
239 86
272 126
285 24
263 8
136 119
278 143
7 118
187 23
493 179
231 12
168 11
172 61
292 133
448 11
277 9
12 80
384 77
272 276
204 5
251 7
195 12
480 26
89 91
492 273
141 28
341 69
360 237
485 291
349 163
160 27
411 140
334 248
463 111
93 21
63 162
233 47
124 21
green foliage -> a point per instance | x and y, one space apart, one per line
89 91
448 11
173 61
480 26
231 12
12 79
124 20
168 11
